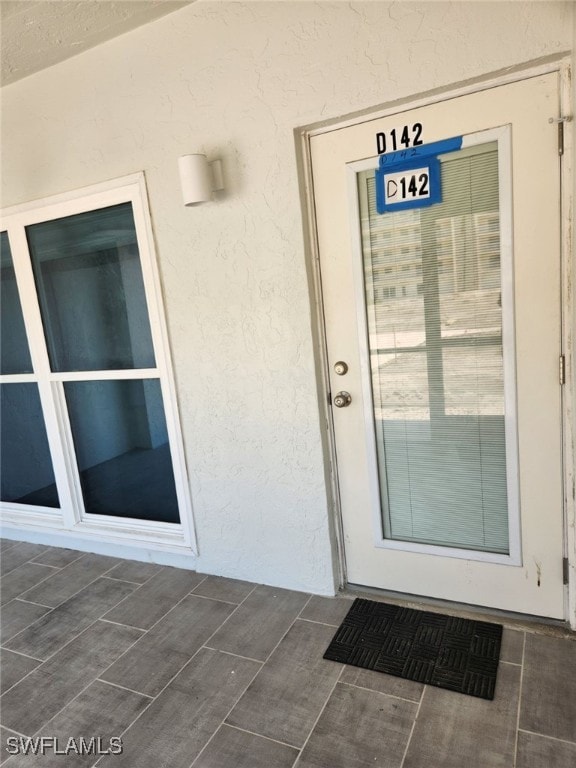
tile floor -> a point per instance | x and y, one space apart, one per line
196 671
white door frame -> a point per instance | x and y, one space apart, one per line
303 135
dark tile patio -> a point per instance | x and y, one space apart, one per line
206 672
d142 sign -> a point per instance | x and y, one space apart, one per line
406 185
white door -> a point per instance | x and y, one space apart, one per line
446 316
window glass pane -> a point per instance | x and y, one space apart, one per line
122 449
434 310
14 353
26 473
89 280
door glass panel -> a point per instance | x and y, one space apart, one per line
434 312
14 352
89 282
122 450
27 476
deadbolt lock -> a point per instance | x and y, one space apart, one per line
342 399
340 368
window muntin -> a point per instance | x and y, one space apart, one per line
129 349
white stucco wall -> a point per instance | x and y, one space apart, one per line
233 80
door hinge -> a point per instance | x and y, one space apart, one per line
562 369
560 123
564 570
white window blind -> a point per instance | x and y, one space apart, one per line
434 312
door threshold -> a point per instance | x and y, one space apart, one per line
519 621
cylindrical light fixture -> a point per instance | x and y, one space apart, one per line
199 178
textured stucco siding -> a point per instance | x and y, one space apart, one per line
234 80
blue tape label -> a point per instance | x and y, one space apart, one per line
424 150
412 178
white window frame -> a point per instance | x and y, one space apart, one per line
71 516
502 135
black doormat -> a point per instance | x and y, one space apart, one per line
458 654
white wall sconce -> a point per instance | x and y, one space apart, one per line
199 178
